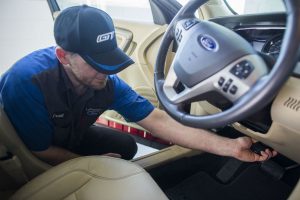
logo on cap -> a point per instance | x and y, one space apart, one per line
105 37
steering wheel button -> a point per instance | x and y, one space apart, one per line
242 70
179 38
246 73
177 32
221 81
189 23
239 68
227 85
225 88
237 73
236 70
178 87
233 90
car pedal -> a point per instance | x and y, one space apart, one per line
269 166
273 169
226 173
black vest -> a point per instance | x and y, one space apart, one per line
71 114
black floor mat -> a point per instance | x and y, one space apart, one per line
251 184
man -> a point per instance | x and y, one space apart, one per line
54 95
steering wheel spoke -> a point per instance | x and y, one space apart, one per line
232 82
177 92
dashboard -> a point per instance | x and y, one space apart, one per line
264 39
272 46
265 33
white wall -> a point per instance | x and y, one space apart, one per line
25 25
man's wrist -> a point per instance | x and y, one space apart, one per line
232 148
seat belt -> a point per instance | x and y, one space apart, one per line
12 165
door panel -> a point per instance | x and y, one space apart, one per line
143 49
124 38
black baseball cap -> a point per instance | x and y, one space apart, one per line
90 32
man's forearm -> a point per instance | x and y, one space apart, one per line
168 129
55 155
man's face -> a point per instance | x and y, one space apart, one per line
85 74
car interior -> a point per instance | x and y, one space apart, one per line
249 85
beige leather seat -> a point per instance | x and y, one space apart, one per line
92 178
29 164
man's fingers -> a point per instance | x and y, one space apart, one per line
267 154
264 156
271 153
274 153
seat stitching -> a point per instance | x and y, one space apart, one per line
80 170
106 178
87 172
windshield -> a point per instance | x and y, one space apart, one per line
255 6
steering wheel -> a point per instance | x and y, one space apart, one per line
211 57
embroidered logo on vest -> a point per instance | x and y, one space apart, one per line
93 111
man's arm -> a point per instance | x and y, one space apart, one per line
55 155
160 124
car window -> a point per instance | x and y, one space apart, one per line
255 6
118 9
182 2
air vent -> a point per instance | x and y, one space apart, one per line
292 103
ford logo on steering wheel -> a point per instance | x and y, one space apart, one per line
209 43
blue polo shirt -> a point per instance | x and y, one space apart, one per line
35 94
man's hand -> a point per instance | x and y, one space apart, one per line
244 153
